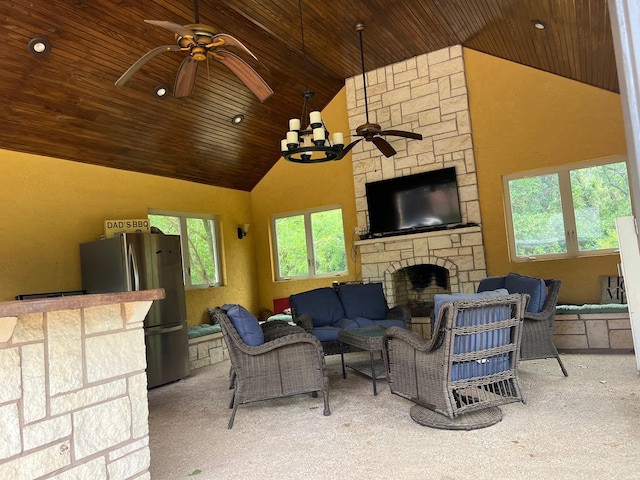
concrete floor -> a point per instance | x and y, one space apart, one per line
585 426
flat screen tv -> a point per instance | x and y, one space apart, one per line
418 202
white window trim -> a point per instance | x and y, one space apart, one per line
309 239
563 172
184 245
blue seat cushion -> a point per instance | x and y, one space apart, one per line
245 323
364 300
492 283
389 323
321 304
329 333
535 287
480 368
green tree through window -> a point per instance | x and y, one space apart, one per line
569 212
198 241
310 243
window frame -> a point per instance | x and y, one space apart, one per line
306 213
568 212
184 246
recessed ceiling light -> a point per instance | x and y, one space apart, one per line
237 119
39 46
160 91
540 25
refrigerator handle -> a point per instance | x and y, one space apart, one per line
133 265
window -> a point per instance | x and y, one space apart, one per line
199 241
309 244
567 211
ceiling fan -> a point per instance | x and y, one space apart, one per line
201 42
372 132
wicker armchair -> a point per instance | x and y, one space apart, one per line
288 365
468 368
537 333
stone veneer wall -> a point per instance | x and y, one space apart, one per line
426 94
207 350
595 331
73 401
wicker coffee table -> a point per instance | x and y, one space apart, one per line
369 339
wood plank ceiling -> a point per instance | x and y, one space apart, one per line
65 104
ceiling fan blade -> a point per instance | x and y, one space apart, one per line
402 133
226 39
173 27
185 78
384 146
144 59
348 148
245 73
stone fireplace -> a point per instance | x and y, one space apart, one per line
458 252
426 94
416 286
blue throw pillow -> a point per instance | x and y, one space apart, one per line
363 300
321 304
246 324
535 287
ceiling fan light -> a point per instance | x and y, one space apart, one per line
39 46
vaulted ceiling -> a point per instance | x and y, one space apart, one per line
65 104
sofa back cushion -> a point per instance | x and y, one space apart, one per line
535 287
440 298
363 300
245 323
321 304
492 283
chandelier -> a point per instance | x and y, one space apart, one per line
308 139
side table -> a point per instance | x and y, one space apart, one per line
369 339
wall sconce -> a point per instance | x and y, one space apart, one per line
243 230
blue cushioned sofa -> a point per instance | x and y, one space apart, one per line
327 310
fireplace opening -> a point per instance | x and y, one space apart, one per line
415 286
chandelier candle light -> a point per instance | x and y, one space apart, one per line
311 145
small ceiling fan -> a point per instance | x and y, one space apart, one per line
372 132
201 42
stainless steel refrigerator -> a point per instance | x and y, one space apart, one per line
145 261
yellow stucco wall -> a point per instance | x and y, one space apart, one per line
290 187
524 119
50 206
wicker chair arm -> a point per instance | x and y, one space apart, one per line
400 312
281 343
411 338
540 316
304 321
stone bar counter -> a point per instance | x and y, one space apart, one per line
73 388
